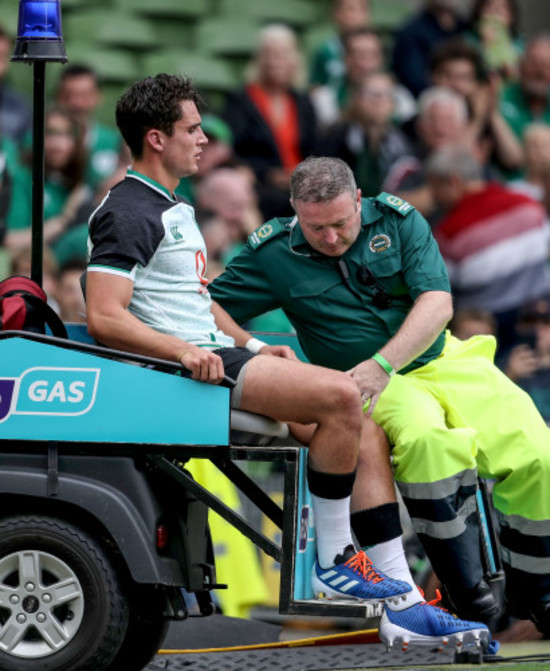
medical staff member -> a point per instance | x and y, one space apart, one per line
364 285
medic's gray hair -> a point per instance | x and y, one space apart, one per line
321 179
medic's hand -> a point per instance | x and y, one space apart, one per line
283 351
204 365
371 379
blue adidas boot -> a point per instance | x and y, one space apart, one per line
354 577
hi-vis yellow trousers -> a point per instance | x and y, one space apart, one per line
450 420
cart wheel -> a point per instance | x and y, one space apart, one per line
61 605
146 631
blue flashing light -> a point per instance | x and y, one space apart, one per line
39 20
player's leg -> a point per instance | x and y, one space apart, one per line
377 527
298 392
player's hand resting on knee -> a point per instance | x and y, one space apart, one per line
283 351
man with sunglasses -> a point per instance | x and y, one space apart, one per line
364 284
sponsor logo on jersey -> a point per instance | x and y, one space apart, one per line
49 391
175 231
380 243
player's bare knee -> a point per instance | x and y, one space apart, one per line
344 404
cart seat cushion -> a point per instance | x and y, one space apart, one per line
248 428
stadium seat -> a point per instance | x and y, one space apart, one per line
168 8
113 28
227 37
298 13
79 5
389 15
315 35
112 65
208 73
170 32
126 31
9 15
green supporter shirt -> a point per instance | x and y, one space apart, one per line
515 109
338 327
20 212
104 146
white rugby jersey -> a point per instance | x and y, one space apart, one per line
142 232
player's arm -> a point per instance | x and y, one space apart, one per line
242 338
111 323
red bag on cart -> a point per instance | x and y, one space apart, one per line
24 307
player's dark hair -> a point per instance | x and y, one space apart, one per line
153 102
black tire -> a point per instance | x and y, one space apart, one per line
146 631
61 581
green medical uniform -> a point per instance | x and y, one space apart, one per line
450 414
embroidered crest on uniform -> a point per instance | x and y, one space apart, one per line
380 243
176 233
265 231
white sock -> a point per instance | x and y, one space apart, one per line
389 557
332 528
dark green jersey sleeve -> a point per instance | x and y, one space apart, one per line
243 289
422 264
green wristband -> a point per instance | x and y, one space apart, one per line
386 365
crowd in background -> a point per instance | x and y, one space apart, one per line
452 116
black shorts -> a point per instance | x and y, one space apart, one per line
234 360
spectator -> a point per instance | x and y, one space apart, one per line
64 190
327 67
414 43
527 100
15 111
229 194
219 150
469 322
534 375
442 120
10 169
273 124
458 66
78 92
494 31
492 240
21 264
368 141
363 56
536 142
73 244
69 292
526 363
